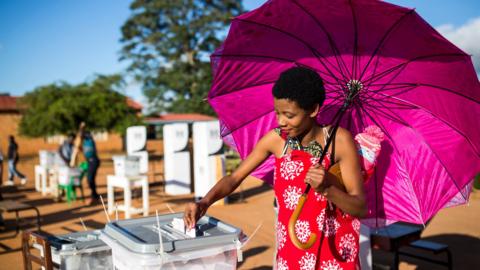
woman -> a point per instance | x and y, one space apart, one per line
297 144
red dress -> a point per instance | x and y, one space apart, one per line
337 243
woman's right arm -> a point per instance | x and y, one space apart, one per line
226 185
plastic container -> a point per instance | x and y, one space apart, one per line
66 173
47 158
81 250
135 244
126 165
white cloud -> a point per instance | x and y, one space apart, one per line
466 37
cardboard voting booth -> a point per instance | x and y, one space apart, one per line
176 159
136 144
208 157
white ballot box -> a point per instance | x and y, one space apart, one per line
135 244
126 165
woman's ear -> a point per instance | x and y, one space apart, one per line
315 111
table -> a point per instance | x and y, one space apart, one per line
13 206
392 237
127 182
41 179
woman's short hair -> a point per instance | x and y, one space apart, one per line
301 85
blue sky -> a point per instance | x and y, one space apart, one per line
46 41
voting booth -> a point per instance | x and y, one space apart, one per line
136 144
208 157
176 159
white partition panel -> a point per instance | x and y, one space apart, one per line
207 155
136 139
176 159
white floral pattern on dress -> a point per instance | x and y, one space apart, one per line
356 225
307 262
330 265
302 230
289 169
347 247
281 235
281 264
290 197
319 197
329 226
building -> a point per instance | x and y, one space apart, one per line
10 116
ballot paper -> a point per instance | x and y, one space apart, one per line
179 225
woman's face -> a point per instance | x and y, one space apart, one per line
292 119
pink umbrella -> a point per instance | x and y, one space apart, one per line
395 71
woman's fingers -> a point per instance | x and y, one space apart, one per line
189 216
315 177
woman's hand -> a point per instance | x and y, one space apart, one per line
316 177
193 212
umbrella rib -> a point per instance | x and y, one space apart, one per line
392 104
401 160
370 97
319 71
437 87
266 82
392 116
248 122
332 44
362 117
431 149
336 101
436 117
314 52
384 38
243 88
401 65
355 44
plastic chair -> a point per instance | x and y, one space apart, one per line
70 189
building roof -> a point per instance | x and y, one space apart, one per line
8 103
179 117
134 105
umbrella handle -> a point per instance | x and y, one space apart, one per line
293 221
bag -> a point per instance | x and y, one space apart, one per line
368 148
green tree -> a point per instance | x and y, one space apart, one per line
60 108
169 42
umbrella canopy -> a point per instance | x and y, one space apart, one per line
407 79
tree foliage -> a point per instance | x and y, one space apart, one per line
60 108
168 43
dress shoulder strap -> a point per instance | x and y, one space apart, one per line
326 135
285 137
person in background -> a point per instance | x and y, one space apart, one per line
90 152
1 168
65 150
2 222
12 163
